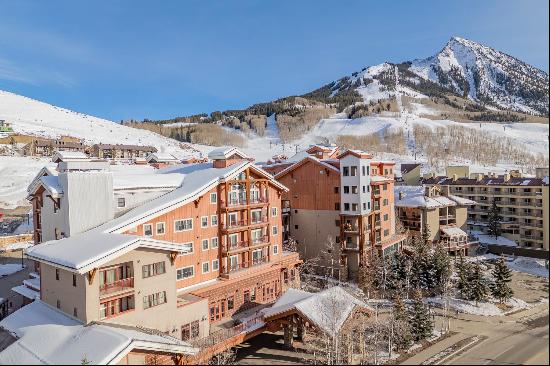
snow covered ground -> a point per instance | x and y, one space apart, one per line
482 308
533 266
489 239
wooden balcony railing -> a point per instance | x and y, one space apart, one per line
120 285
244 265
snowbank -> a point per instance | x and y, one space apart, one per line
9 269
482 308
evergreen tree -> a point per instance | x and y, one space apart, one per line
402 331
441 264
502 276
463 271
494 221
478 285
419 318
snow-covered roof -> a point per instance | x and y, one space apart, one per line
45 171
90 249
136 181
453 231
414 196
33 283
161 157
304 160
380 178
226 152
47 336
83 252
24 291
69 155
51 184
327 310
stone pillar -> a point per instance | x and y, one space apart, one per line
288 336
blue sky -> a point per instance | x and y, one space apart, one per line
158 59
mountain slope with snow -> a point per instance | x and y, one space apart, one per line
35 118
463 68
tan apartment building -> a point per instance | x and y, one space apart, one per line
48 147
179 263
345 201
410 174
442 215
522 203
119 151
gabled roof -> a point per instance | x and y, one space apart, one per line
45 171
69 155
47 336
302 162
327 310
225 153
82 252
357 153
51 185
161 157
406 168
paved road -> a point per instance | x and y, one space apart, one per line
510 343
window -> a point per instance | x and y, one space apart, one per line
57 274
363 170
273 211
187 248
385 202
213 198
58 304
153 300
353 171
121 202
150 270
230 303
74 280
160 228
204 221
215 265
364 189
336 189
205 244
190 330
386 232
296 227
183 225
274 230
214 220
354 190
346 206
354 206
205 267
364 206
185 272
385 187
345 171
75 312
386 217
214 243
234 262
346 189
147 229
256 216
275 249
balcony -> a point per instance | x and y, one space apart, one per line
243 266
258 200
242 202
259 220
261 240
122 285
376 192
233 225
229 247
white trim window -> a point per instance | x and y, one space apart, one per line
234 262
275 249
213 198
205 244
187 248
148 229
161 229
183 225
214 242
273 211
205 267
204 222
214 220
274 230
185 273
215 265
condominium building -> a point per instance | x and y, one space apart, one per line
344 199
433 210
119 151
181 263
522 202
